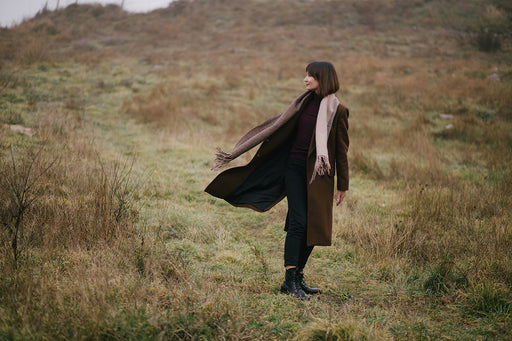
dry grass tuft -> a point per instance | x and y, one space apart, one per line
456 222
348 329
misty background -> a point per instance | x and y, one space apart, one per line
14 12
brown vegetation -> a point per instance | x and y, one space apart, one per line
99 243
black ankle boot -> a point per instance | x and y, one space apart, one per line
291 287
299 279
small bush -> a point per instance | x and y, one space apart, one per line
21 186
492 25
488 41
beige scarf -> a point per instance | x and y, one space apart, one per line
326 112
255 136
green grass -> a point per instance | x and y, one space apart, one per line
122 243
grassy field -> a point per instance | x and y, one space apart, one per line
106 233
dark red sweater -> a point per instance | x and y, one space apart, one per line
305 129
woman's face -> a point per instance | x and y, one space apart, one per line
311 83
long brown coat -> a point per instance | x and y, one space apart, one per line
260 183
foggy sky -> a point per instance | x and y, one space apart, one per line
14 11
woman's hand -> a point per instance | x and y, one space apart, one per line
339 197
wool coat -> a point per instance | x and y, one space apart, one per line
259 184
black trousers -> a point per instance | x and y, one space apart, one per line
296 251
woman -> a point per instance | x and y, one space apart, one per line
300 151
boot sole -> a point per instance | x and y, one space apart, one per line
311 292
287 292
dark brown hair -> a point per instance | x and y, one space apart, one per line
326 76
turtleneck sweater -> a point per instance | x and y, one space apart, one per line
305 128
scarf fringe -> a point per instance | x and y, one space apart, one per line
221 159
322 167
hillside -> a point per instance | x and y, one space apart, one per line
108 126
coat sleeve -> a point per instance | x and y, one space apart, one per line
342 143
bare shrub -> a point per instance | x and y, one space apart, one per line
21 185
78 205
